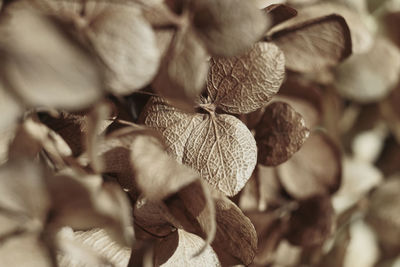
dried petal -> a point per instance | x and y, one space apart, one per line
312 223
280 133
71 127
362 240
93 247
384 210
361 37
314 170
115 152
220 147
228 27
304 96
280 13
371 76
156 173
245 83
10 106
193 211
270 231
24 192
314 44
178 249
84 207
52 70
25 251
236 239
151 216
183 71
359 177
126 44
263 189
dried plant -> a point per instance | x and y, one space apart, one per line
199 133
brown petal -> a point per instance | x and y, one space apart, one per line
314 170
236 239
280 133
115 152
53 70
312 223
152 217
228 27
389 21
280 13
270 231
314 44
262 191
81 206
246 83
304 96
179 248
126 44
183 71
384 210
70 126
193 210
390 111
371 76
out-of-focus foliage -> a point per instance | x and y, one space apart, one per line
199 133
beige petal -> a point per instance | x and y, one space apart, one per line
280 133
313 45
157 174
178 249
25 251
223 150
126 44
53 70
359 177
115 153
23 192
89 248
245 83
314 170
9 107
32 136
361 36
371 76
219 147
228 27
362 240
183 71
